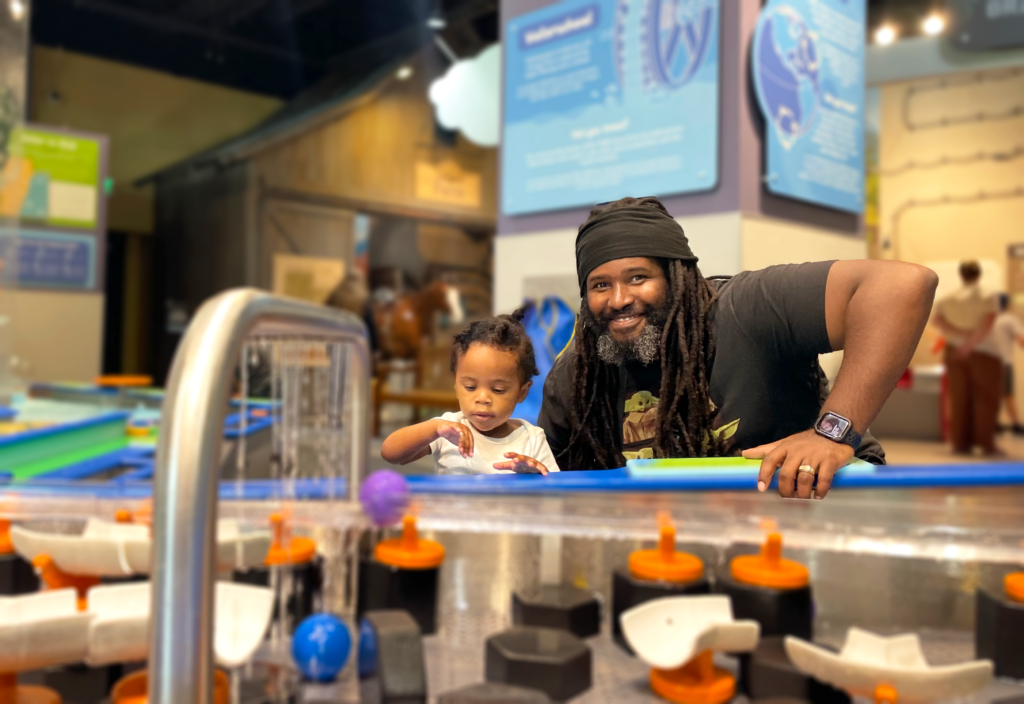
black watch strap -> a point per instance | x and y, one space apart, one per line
837 428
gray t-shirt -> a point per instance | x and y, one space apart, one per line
766 383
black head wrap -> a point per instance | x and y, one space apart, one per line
642 228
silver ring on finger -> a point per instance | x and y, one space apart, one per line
807 469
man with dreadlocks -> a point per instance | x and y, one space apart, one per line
666 363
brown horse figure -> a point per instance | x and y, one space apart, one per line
402 324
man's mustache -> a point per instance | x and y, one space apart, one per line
631 309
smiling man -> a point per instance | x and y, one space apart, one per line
666 363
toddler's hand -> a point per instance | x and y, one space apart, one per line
521 464
456 434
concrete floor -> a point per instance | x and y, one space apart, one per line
918 452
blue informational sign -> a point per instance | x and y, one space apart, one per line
51 260
609 98
808 69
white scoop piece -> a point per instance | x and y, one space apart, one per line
107 549
668 633
868 660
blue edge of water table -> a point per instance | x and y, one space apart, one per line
135 483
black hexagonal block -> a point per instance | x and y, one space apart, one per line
999 633
558 606
628 591
781 612
553 661
493 693
767 674
385 587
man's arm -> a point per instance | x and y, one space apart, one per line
876 312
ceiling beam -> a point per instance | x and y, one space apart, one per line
172 25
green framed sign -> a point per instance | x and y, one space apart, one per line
52 179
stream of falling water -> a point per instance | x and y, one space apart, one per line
306 382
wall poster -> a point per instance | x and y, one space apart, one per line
52 179
609 98
807 66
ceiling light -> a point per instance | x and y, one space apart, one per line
933 24
437 22
17 9
885 35
403 73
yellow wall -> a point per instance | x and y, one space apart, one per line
767 242
153 119
952 191
57 336
920 226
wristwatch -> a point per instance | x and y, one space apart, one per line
837 429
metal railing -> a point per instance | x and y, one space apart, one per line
187 462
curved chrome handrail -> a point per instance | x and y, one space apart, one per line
185 480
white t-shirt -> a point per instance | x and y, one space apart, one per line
1005 332
527 440
967 308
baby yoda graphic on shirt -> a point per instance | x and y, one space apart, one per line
640 426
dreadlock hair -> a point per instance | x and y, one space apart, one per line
687 352
503 332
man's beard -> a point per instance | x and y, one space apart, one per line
644 348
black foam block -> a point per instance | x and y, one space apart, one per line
627 592
554 661
999 633
307 583
766 673
17 576
385 587
76 684
781 612
558 606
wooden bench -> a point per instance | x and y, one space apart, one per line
417 398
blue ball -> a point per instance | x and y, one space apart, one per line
320 647
367 650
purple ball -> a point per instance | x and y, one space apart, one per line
384 496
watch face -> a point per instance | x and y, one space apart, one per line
833 426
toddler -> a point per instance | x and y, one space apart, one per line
494 366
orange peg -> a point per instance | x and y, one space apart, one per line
6 546
12 693
132 689
696 682
1014 585
286 549
54 578
769 568
665 563
410 551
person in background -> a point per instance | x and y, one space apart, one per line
973 367
353 295
1007 331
